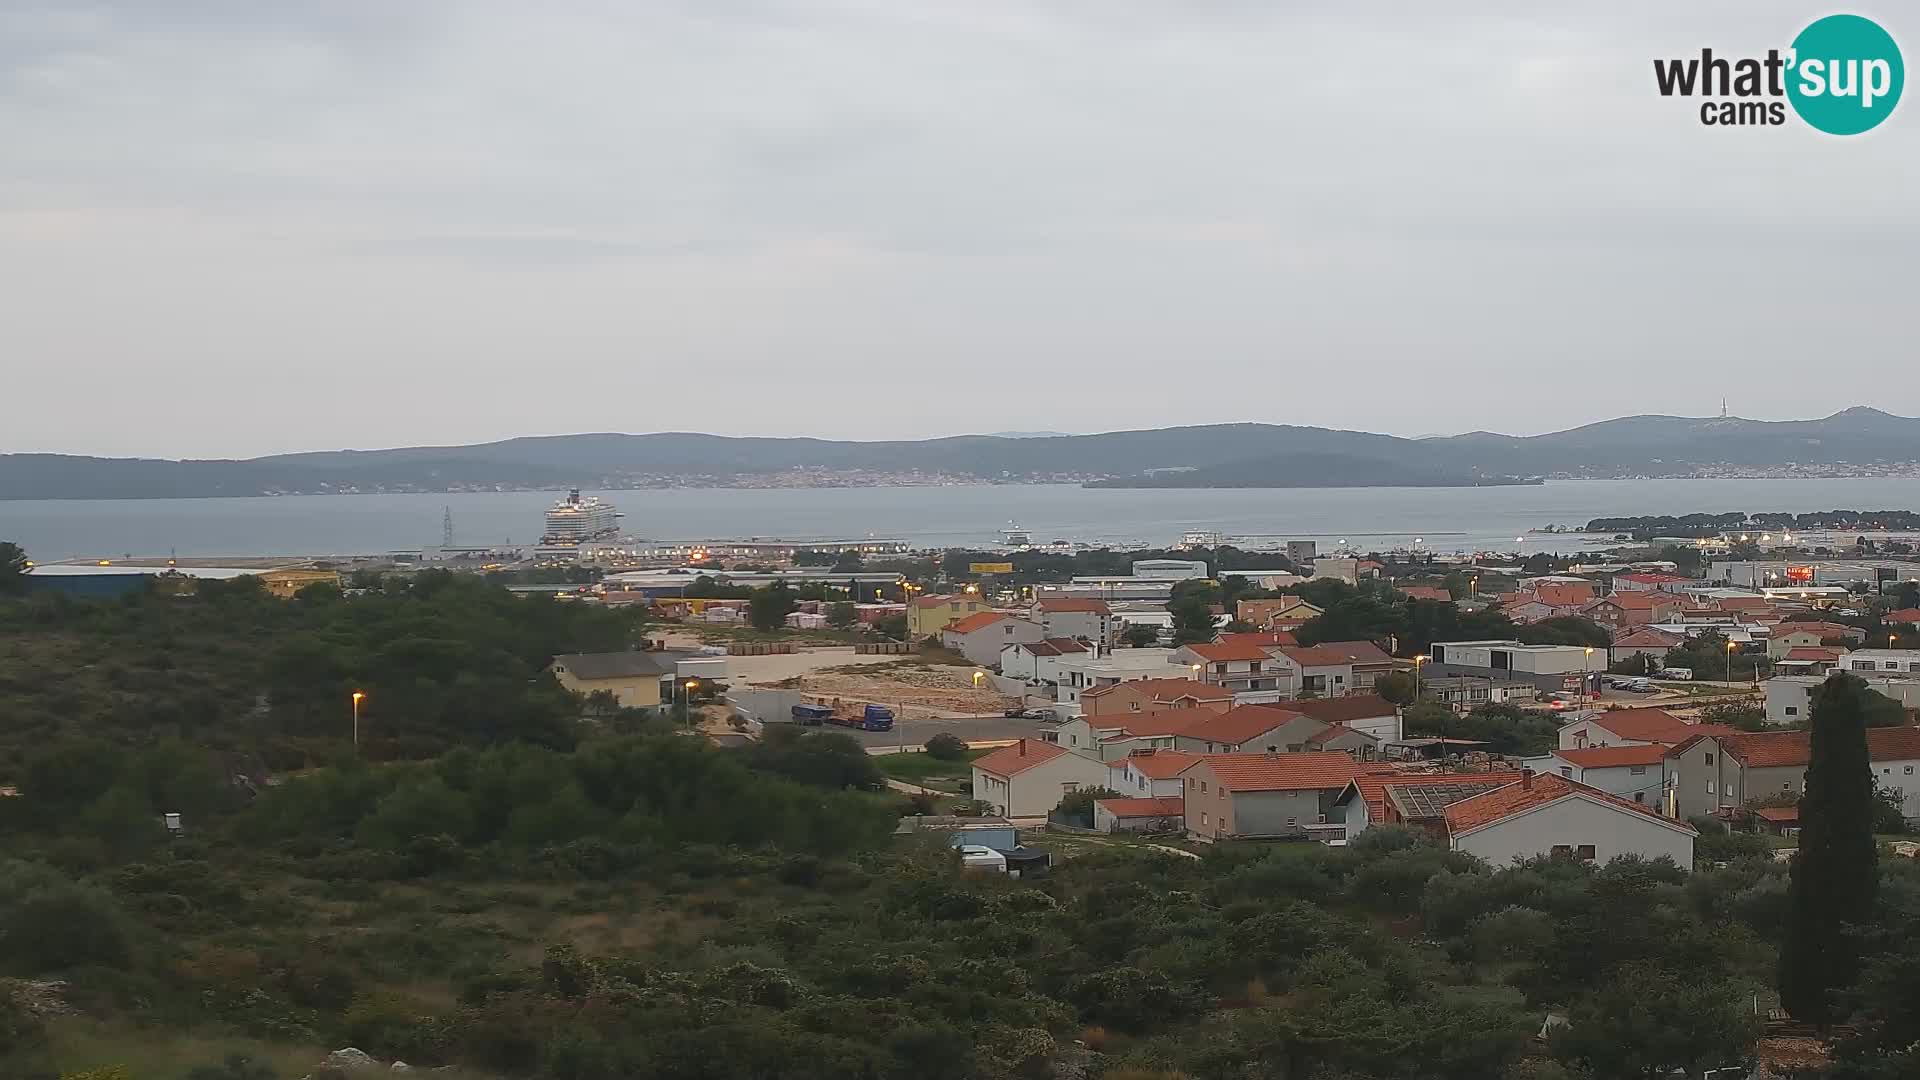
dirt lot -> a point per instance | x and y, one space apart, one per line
912 688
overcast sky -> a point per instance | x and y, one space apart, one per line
234 228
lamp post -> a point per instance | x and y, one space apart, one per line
1586 675
1417 661
1729 664
358 697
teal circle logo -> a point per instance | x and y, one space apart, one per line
1846 75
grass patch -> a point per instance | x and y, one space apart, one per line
78 1043
917 768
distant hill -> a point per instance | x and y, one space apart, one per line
1213 455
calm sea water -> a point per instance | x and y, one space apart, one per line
1445 519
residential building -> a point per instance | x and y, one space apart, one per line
1644 641
1636 773
928 615
634 679
1239 667
1152 695
1414 799
1231 796
1789 696
1898 617
1869 663
1265 613
1525 608
1426 592
1318 670
1649 582
1025 660
980 637
1113 737
1366 660
1713 773
1028 779
1477 657
1818 660
1789 636
1250 729
1146 773
1076 675
1552 815
1370 714
1153 815
1078 617
1567 594
1632 727
286 582
1623 611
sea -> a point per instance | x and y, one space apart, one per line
1491 519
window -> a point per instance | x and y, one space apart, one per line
1729 786
1890 666
1293 823
1584 853
1203 818
1793 710
1709 757
1203 785
1786 785
1566 771
1637 770
1908 771
1133 705
1562 851
1640 796
1709 785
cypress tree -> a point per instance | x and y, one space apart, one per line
1834 875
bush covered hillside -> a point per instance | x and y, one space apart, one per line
497 887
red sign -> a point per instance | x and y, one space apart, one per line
1800 575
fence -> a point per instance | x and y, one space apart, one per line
882 648
759 648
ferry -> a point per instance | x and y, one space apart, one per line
1015 536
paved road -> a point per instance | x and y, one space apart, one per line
915 732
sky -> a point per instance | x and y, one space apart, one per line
231 228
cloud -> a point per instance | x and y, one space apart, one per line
367 223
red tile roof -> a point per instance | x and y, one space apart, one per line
1319 655
1652 579
1360 652
1785 749
1375 786
1785 815
1902 615
1165 690
1333 731
1222 652
1744 603
1531 793
1068 603
1613 757
1163 722
1640 601
1648 638
1018 758
1163 806
1427 592
1652 725
1157 764
1281 772
1562 594
1816 653
1343 710
1237 725
1057 646
1262 638
1827 629
979 620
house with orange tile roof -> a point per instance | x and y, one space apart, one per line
1796 635
1152 695
1717 773
1625 610
1901 617
980 637
1238 666
1650 582
1631 727
1263 614
1367 713
1152 815
1327 670
1645 641
1635 772
1028 779
1426 592
1386 796
1267 729
1241 796
1550 815
1029 660
1150 772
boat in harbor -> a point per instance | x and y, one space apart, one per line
1015 536
578 520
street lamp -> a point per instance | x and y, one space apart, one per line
1586 675
1417 661
977 676
1729 663
358 697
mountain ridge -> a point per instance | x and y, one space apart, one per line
1206 455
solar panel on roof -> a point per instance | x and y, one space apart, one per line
1429 800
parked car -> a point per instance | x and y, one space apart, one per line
1679 673
1019 713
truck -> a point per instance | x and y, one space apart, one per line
869 718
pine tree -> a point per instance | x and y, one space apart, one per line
1834 875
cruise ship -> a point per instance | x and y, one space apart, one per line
577 520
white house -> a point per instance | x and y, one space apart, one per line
1078 617
1552 815
1149 773
1632 727
1635 773
1028 779
980 637
1027 660
1077 673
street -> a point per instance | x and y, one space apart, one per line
916 732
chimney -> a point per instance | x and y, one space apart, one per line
1526 779
1023 749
